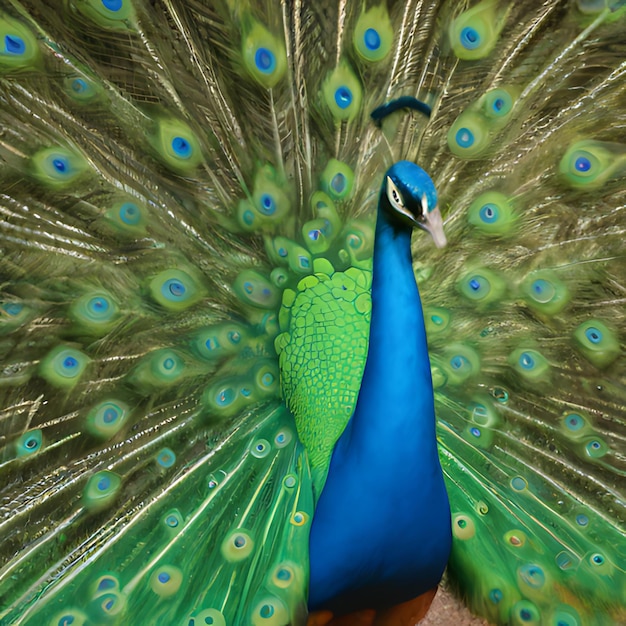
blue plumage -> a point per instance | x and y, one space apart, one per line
382 524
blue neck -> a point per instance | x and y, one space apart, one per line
381 529
395 401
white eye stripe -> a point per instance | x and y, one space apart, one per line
396 200
394 195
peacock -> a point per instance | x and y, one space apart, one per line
303 303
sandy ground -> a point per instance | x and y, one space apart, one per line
446 610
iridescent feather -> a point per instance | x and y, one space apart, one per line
188 194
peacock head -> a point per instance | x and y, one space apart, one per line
409 196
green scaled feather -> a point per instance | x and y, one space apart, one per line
327 311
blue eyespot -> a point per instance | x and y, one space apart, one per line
248 217
266 611
283 574
496 595
526 361
112 5
582 164
596 448
518 483
593 334
172 521
14 45
314 234
268 206
104 483
465 138
354 241
163 577
338 183
458 361
80 88
12 308
597 559
476 287
181 147
166 458
343 97
107 583
98 305
582 519
70 362
543 290
225 397
501 395
476 432
130 213
489 213
176 288
110 415
372 39
265 60
470 39
533 576
29 443
574 422
173 289
79 85
267 379
60 165
498 103
282 252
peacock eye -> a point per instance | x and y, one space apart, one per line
424 205
394 195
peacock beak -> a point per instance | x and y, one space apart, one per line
433 224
